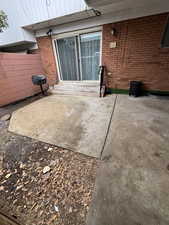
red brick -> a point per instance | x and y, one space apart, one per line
138 55
16 72
48 58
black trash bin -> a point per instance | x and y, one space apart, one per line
135 88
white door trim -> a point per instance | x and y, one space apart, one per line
77 32
55 50
71 34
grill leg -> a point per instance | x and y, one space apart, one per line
41 87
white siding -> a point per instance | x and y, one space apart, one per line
65 7
13 33
35 11
25 12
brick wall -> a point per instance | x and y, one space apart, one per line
48 58
16 71
138 55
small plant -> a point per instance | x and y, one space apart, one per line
3 21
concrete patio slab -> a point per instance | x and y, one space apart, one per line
76 123
133 180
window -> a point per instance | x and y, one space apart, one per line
165 38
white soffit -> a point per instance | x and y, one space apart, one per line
61 20
106 6
120 5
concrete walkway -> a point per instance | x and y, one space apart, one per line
76 123
132 182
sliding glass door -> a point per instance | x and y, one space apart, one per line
79 57
68 58
90 55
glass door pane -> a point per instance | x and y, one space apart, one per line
90 55
68 58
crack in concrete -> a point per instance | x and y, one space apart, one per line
108 128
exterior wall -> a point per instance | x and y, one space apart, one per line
16 72
138 55
14 34
22 13
38 11
48 59
111 13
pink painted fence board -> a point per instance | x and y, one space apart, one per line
16 72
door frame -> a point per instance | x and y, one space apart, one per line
73 34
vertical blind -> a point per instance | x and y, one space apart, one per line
68 58
90 55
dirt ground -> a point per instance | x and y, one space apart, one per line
40 183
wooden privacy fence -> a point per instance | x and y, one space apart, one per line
16 71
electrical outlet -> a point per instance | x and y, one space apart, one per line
113 44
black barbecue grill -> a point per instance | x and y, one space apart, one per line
39 80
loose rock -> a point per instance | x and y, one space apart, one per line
8 175
56 208
6 117
19 187
50 149
1 188
46 169
70 210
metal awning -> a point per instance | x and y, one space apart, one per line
62 20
